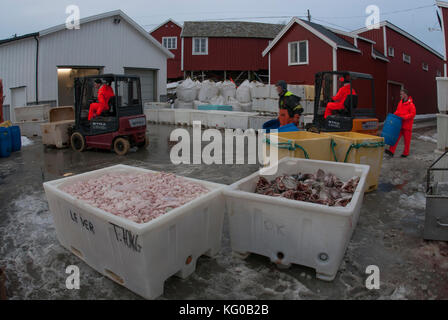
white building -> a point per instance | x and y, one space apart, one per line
40 67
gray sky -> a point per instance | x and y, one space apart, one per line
26 16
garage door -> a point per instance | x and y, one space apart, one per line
147 81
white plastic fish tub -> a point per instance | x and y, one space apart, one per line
294 232
166 116
201 116
152 115
229 119
138 256
183 116
442 94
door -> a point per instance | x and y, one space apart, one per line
147 82
393 92
18 99
66 78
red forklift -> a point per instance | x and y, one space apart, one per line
121 127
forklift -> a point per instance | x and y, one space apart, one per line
121 127
351 118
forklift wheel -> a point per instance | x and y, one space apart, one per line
121 146
78 142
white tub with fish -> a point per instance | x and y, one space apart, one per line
139 256
290 231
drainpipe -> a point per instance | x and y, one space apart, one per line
37 69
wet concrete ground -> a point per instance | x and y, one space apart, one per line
388 234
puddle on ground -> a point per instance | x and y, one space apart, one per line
388 187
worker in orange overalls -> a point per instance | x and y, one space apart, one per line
339 98
105 92
288 105
406 111
1 100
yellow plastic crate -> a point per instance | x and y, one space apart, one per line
358 148
302 144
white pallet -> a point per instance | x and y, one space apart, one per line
265 105
261 91
152 115
238 120
308 107
297 90
201 116
138 256
256 122
183 116
273 94
166 116
289 231
156 105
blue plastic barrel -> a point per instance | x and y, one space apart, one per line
5 142
391 129
271 125
16 139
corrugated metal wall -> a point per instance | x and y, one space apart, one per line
18 67
97 43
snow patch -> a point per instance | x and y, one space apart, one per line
415 201
26 141
399 294
432 139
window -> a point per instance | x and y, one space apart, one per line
406 58
200 45
127 92
169 42
425 66
391 52
298 53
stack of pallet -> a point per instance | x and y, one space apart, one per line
265 97
306 92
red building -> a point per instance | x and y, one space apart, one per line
304 48
413 65
223 49
168 34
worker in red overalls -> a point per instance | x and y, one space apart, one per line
289 105
105 92
406 111
339 98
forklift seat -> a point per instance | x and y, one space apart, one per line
346 111
354 99
112 107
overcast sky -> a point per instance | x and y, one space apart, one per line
415 16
